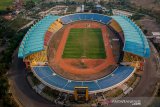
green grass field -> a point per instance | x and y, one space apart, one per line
84 43
5 3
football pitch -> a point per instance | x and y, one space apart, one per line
84 43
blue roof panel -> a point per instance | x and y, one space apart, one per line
33 40
135 40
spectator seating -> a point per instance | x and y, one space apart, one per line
135 40
85 16
115 26
50 78
34 39
38 57
54 27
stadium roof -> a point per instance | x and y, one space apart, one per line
34 39
135 40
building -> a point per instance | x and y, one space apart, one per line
156 37
82 8
121 12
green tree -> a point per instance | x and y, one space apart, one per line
4 86
29 4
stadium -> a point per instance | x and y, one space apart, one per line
88 50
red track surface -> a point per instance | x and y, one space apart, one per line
93 65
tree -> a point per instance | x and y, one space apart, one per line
2 69
102 2
29 4
4 86
145 31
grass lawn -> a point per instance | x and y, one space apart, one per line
18 23
84 43
71 8
5 3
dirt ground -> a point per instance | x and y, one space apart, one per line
148 4
150 24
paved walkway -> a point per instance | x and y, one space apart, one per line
20 87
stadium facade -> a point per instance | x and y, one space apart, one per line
34 46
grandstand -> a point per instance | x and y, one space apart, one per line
84 16
34 48
48 35
33 41
135 40
54 27
37 57
49 77
115 26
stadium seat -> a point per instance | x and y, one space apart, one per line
54 27
34 39
135 40
86 16
49 77
98 17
